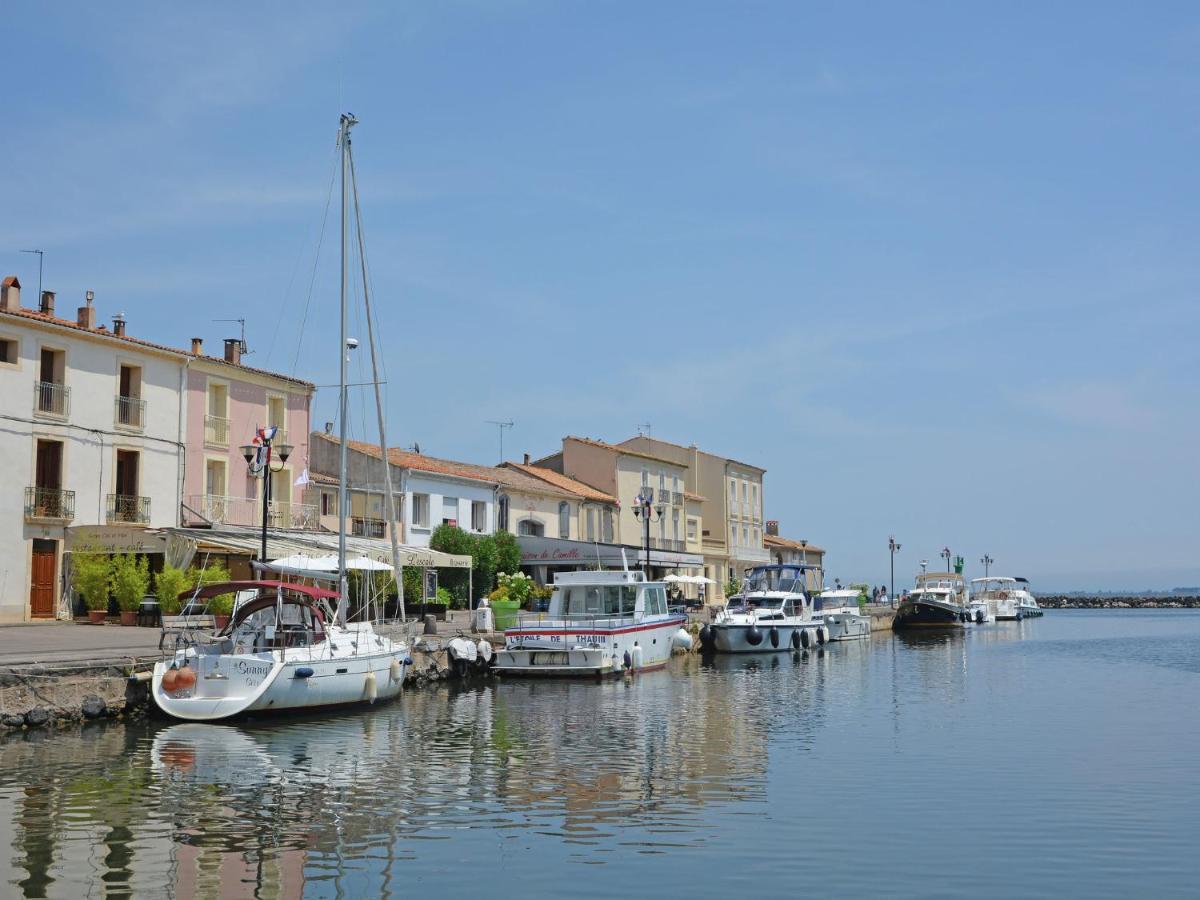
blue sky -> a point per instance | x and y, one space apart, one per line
931 265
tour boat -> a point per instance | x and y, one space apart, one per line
598 623
770 613
1006 598
939 600
282 650
838 610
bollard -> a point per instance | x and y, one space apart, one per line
431 624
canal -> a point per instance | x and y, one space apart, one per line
1049 757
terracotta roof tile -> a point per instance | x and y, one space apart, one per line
623 450
565 482
774 540
419 461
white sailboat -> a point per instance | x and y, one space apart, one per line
290 646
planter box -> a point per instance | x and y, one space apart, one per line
221 622
129 617
505 613
97 616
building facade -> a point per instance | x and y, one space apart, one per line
93 435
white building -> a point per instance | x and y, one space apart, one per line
93 434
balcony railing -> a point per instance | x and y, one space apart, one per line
667 544
128 509
216 431
677 498
130 412
51 399
46 504
221 510
362 527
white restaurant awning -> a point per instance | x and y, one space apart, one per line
284 543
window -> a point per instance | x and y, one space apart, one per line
129 396
645 478
328 503
531 528
8 351
608 526
662 482
743 491
745 536
732 491
691 529
675 483
277 414
449 510
754 498
420 510
214 477
478 515
502 524
757 538
591 524
656 601
675 525
564 519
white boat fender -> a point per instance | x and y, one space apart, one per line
822 634
395 673
486 654
806 638
461 654
681 640
637 657
370 691
774 636
796 639
754 635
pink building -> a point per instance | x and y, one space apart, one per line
226 403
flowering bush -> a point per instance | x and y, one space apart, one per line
518 586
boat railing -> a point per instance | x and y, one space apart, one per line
579 620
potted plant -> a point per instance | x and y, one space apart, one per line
222 609
168 585
130 583
517 588
91 576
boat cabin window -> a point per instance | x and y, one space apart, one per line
600 600
785 579
656 600
296 626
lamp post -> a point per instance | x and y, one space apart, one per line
987 561
945 554
893 549
645 509
259 461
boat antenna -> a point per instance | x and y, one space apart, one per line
393 518
346 122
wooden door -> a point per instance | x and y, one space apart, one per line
42 578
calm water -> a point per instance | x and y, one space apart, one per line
1052 757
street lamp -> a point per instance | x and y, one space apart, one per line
945 554
893 549
259 461
645 509
987 561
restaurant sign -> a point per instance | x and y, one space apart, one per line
544 551
114 539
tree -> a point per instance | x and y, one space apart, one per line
168 585
130 580
91 576
508 551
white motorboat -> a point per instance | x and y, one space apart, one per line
838 610
1006 598
282 650
771 612
598 623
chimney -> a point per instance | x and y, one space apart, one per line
119 324
197 346
86 316
773 527
10 294
329 428
233 351
526 459
47 304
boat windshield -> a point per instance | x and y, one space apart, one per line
600 600
784 579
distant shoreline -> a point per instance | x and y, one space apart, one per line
1133 601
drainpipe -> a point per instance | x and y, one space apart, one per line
181 456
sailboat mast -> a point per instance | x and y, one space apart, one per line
347 122
393 518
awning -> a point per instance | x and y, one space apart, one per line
283 543
544 551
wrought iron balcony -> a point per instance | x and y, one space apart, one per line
128 509
363 527
51 399
677 498
130 412
44 504
216 431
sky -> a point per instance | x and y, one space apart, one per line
933 266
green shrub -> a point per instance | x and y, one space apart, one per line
508 552
130 580
91 576
518 585
443 598
168 585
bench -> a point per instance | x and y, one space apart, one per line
179 624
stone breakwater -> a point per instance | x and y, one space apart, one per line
1107 601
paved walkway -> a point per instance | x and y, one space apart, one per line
71 642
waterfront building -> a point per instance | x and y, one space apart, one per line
730 507
93 436
786 551
430 491
226 403
623 474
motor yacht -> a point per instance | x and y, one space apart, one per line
939 600
771 612
839 611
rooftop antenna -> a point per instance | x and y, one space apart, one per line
644 429
40 255
501 425
241 322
